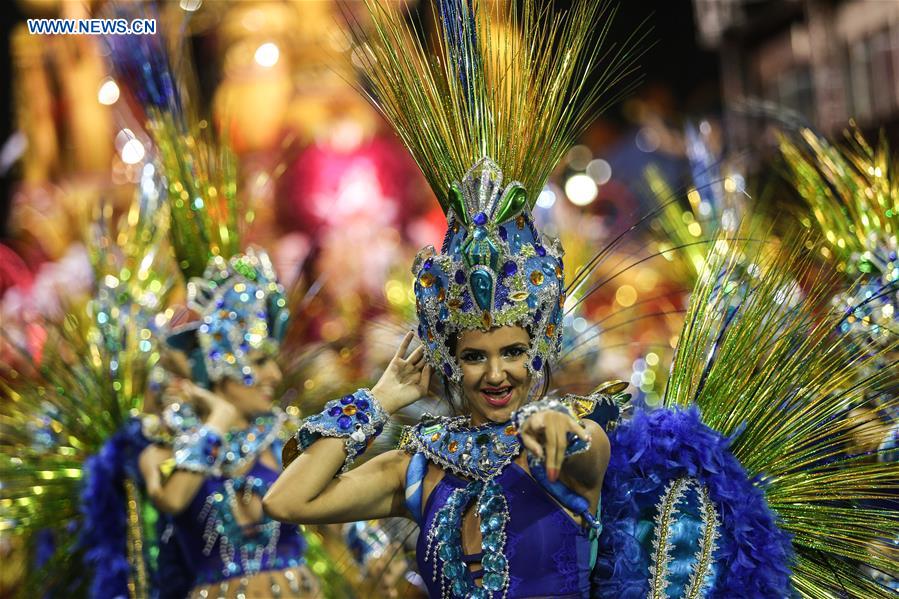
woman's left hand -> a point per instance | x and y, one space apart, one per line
545 434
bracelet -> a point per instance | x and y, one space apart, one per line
199 450
357 417
576 445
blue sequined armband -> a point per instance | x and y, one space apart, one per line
199 450
358 418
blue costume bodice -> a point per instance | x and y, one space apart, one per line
216 547
549 554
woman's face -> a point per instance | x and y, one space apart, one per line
258 397
495 378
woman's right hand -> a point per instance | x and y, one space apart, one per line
221 413
406 380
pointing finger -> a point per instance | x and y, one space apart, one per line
401 351
416 355
533 446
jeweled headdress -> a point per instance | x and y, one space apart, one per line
494 270
509 93
242 307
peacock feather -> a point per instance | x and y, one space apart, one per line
517 85
770 370
89 379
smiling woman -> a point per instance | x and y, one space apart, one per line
495 377
513 468
215 450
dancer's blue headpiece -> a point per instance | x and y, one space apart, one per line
495 269
242 308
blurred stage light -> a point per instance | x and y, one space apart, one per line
581 189
626 296
130 148
600 171
647 140
547 198
267 55
109 92
578 157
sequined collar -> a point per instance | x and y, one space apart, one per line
476 452
240 445
244 445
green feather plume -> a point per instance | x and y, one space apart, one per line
516 85
768 367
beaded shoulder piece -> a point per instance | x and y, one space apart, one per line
179 425
475 452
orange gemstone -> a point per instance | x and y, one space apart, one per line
519 296
349 410
559 271
454 303
550 330
426 280
453 446
511 430
537 277
435 437
486 319
441 295
519 221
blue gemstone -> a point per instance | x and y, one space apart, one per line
493 581
541 251
428 263
502 233
448 551
346 400
421 331
479 593
480 219
510 268
454 569
447 369
480 233
460 277
494 522
440 327
335 411
362 404
344 422
482 288
362 417
444 312
460 587
538 315
537 362
492 542
248 379
493 504
494 562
